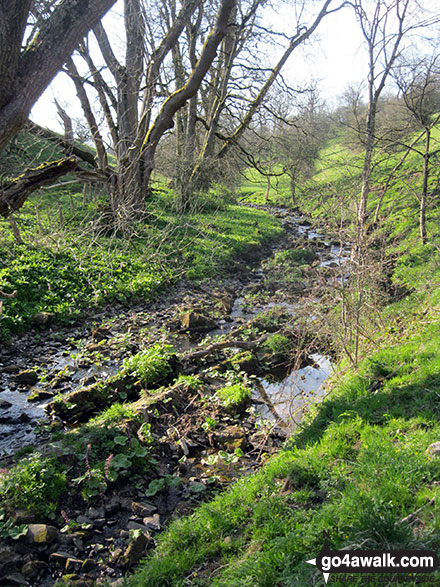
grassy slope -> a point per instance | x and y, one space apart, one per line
358 467
67 263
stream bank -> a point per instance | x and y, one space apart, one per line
188 439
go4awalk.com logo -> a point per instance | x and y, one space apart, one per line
374 561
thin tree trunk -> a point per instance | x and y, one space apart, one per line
425 187
266 195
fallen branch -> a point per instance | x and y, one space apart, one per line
15 192
216 346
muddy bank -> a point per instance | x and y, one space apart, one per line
183 436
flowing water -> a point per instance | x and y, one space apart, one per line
284 400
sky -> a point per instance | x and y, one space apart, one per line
335 59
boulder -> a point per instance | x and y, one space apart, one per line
195 322
31 569
41 534
27 377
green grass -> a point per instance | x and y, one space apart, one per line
357 470
354 471
69 262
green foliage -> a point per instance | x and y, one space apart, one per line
106 452
150 365
61 270
293 257
278 343
233 396
36 484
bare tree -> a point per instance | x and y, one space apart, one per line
419 83
25 72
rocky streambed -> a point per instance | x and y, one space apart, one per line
131 407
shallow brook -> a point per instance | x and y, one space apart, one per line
285 399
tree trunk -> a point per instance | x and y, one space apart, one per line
293 187
14 194
266 195
25 75
425 187
89 116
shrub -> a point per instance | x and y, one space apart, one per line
234 397
150 365
35 484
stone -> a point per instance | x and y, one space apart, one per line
4 404
8 560
152 522
73 565
126 503
143 509
11 369
136 549
38 395
89 565
28 377
195 322
41 534
42 318
433 449
23 517
112 506
15 579
31 569
136 526
231 437
95 513
59 558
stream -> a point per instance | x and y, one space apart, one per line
61 370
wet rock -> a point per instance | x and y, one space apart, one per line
41 534
59 559
433 449
15 579
195 322
27 377
31 569
136 526
73 565
38 395
4 404
11 369
88 566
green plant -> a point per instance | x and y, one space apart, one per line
209 424
233 397
36 484
278 343
150 365
8 528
